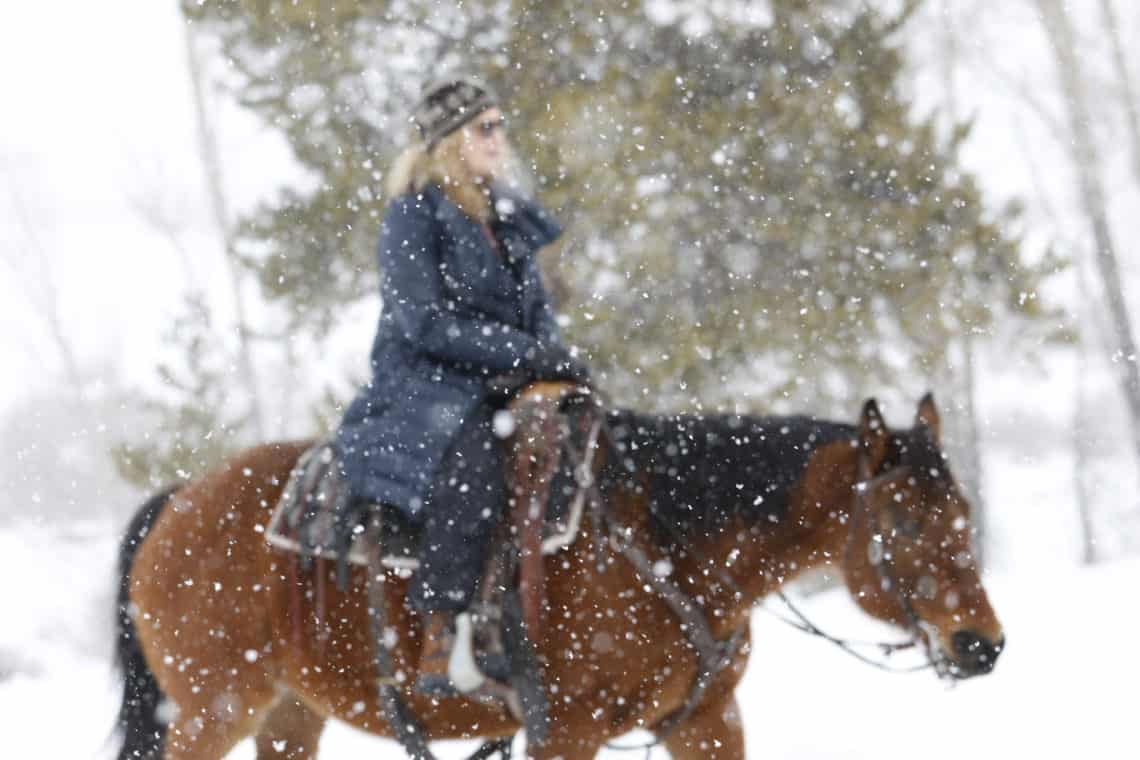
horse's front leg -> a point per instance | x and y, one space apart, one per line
713 732
291 731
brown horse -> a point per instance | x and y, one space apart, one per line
728 508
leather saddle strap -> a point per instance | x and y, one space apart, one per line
401 720
712 655
537 450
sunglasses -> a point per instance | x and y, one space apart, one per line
488 127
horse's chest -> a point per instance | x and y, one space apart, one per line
613 650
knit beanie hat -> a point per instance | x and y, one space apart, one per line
448 104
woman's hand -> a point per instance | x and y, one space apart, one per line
552 361
549 361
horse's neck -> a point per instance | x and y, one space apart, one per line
818 523
734 568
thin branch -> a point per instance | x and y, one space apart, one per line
899 21
1025 92
48 307
151 205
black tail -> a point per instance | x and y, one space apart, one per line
139 724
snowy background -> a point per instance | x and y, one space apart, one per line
79 266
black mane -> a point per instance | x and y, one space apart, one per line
706 469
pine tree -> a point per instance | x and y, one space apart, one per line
753 215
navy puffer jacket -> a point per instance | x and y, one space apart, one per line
455 313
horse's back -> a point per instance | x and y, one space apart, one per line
215 524
232 501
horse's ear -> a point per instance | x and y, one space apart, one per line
872 438
927 417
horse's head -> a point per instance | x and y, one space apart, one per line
907 558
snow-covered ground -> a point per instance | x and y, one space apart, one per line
1061 690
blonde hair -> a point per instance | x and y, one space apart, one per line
416 166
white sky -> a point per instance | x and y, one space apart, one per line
97 110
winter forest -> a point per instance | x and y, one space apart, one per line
769 207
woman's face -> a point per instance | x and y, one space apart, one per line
484 144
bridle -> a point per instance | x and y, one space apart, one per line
881 556
920 632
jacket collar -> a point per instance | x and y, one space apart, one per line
513 211
531 221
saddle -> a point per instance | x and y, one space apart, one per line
308 518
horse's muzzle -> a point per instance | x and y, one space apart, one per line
974 655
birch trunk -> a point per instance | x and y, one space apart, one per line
965 434
1080 437
1086 162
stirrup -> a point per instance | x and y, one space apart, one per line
463 674
461 666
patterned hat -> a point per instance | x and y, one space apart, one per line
448 104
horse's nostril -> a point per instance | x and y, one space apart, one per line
976 654
966 643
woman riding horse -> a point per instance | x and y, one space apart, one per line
221 637
463 308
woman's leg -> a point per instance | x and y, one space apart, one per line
463 506
465 503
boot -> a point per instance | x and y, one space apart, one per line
439 637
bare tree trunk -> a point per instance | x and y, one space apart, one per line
975 474
211 162
1081 463
966 433
1080 435
1127 93
1080 431
289 386
1086 161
